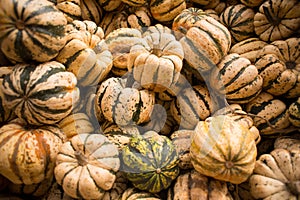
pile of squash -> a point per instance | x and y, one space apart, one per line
150 99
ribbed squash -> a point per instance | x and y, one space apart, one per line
237 78
86 54
71 9
133 193
289 142
223 149
294 113
277 19
86 166
150 162
122 104
204 40
276 175
272 113
156 64
91 11
28 153
31 30
192 185
239 21
40 94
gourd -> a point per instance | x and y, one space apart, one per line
86 166
133 193
150 162
223 149
28 153
294 113
31 30
40 93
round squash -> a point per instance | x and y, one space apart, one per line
40 94
277 19
288 142
86 166
294 113
31 30
150 162
28 153
71 9
223 149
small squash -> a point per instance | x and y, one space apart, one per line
294 113
289 142
31 30
40 93
223 149
71 9
86 166
150 162
28 153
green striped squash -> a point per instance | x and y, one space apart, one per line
71 9
204 40
223 149
239 21
40 94
294 113
133 193
237 78
165 11
31 30
272 114
86 166
28 153
150 162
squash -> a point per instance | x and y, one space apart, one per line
192 185
150 162
277 20
237 78
86 166
270 114
135 3
156 64
110 5
289 142
31 30
86 54
294 113
71 9
239 21
122 104
133 193
223 149
252 3
40 93
118 188
28 153
91 10
276 175
204 40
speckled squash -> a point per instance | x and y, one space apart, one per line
294 113
156 64
40 93
289 142
28 153
192 185
86 166
204 40
31 30
276 20
248 48
276 175
150 162
223 149
267 107
239 21
237 78
122 104
86 54
133 193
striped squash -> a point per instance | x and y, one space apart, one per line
136 3
294 113
40 94
133 193
248 48
122 104
223 149
277 19
192 185
91 11
269 111
239 21
252 3
86 166
71 9
150 162
28 153
204 40
31 30
191 105
110 5
237 78
164 11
